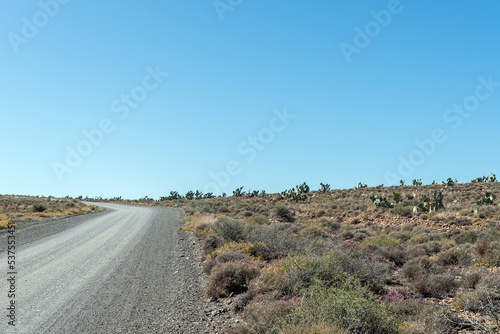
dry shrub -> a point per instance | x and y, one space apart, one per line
482 246
320 213
271 241
419 239
491 257
331 225
491 281
268 316
230 278
313 329
241 329
247 214
414 252
259 220
347 235
224 257
208 265
242 247
210 244
5 224
202 230
413 327
453 256
283 212
431 247
360 235
313 230
430 319
435 285
197 219
70 212
270 280
402 236
417 267
394 254
355 221
473 276
484 301
231 256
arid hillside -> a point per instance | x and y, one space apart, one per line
406 259
15 209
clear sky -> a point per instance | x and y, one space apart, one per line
128 98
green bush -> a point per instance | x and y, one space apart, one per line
70 205
282 211
419 239
348 305
39 208
229 229
381 241
347 235
303 270
315 328
333 267
403 211
260 220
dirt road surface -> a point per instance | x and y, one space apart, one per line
125 270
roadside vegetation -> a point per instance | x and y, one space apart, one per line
408 259
15 209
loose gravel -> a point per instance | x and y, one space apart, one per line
125 270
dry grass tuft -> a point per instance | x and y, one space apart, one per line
196 220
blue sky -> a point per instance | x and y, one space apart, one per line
360 81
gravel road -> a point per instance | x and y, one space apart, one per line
126 270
